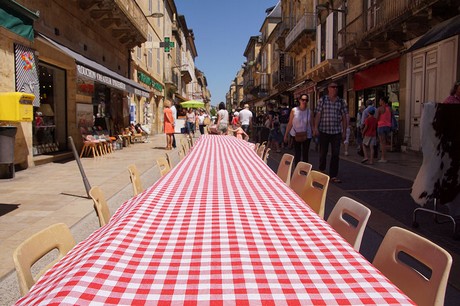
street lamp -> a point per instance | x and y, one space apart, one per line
327 6
155 15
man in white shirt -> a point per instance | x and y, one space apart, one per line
245 117
174 113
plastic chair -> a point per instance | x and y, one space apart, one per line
410 278
285 168
56 236
349 219
185 145
100 205
314 193
260 151
135 177
163 165
256 147
266 154
299 177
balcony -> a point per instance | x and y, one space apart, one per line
325 69
248 85
283 77
302 33
283 29
123 18
386 26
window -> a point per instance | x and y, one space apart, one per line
149 51
312 58
139 53
158 60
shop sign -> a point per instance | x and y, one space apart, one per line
149 81
100 78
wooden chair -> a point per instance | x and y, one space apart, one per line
260 151
100 205
285 168
135 178
266 154
349 219
299 177
314 193
408 275
163 165
56 236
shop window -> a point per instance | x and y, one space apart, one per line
49 125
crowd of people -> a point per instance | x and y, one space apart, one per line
327 125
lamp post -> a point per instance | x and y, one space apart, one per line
327 6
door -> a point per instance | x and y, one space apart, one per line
417 98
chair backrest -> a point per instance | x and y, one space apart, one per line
185 145
163 165
260 151
100 205
266 154
169 160
349 218
299 177
392 260
285 168
314 193
56 236
135 178
256 147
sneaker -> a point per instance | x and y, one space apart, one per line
364 160
382 160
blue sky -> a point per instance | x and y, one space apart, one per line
222 29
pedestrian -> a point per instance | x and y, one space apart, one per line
284 120
239 132
383 126
190 122
331 125
359 130
201 118
300 127
370 105
168 124
222 119
454 97
245 118
235 120
174 114
275 138
369 133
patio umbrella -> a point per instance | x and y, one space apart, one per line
192 104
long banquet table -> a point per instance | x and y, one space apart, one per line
220 228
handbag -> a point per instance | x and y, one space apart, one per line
300 136
207 121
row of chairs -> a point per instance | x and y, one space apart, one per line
59 237
417 266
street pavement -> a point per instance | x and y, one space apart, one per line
54 192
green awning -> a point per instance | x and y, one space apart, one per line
17 18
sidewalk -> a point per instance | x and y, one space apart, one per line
55 192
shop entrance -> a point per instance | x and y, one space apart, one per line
49 125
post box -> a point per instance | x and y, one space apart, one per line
16 106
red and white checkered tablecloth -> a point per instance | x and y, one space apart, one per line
219 228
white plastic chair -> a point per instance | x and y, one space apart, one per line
285 168
300 176
349 218
423 290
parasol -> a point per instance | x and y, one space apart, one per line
192 104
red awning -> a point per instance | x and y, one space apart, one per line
384 73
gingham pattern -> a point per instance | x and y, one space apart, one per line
219 228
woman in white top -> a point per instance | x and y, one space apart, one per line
191 119
300 123
222 119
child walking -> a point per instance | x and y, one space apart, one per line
370 139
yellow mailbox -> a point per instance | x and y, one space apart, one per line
16 106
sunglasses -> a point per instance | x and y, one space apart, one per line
333 86
303 99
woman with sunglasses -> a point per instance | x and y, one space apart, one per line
300 127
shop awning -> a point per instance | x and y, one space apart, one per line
439 32
95 71
17 18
